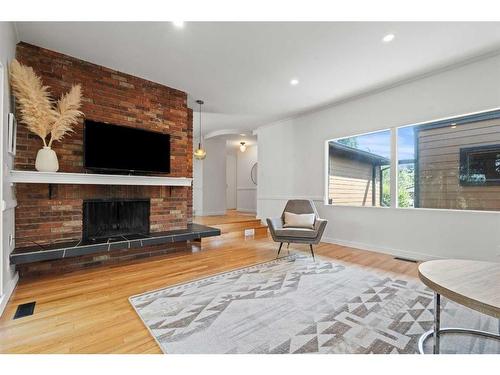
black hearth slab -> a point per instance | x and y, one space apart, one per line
77 248
131 237
36 256
94 241
157 240
126 245
84 250
53 246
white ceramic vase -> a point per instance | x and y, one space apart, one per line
46 160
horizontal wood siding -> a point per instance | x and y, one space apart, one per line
350 182
439 165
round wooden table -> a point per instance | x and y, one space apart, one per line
470 283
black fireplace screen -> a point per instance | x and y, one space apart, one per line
115 217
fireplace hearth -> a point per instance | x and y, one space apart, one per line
114 218
49 217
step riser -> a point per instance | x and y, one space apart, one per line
236 235
238 227
261 231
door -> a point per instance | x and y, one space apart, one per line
231 182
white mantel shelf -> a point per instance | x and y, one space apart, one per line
34 177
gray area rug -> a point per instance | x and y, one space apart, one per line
297 305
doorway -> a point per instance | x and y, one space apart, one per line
231 162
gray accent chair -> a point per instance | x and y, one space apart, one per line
297 235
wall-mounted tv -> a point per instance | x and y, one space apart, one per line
121 149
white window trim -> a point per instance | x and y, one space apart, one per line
394 166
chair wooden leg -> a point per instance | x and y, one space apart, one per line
281 244
312 251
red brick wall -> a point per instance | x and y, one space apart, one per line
108 96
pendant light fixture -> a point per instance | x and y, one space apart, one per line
200 153
243 147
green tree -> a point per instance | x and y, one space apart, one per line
350 142
406 183
386 186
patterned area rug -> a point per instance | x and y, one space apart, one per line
297 305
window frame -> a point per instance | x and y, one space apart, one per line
464 161
489 114
327 167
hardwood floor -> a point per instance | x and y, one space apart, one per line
88 311
231 216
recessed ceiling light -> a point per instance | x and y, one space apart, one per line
388 38
179 24
242 134
294 82
453 126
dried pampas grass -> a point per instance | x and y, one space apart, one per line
38 110
34 100
67 113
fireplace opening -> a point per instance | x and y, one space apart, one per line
104 219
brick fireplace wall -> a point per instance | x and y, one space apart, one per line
108 96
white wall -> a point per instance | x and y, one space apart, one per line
197 185
292 164
8 277
246 190
212 200
231 168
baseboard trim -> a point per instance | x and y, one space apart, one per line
9 289
380 249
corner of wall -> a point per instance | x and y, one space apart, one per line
9 290
9 277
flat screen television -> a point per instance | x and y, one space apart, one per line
121 149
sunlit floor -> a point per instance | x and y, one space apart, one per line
89 312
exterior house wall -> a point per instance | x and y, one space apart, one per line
439 166
350 182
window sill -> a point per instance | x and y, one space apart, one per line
415 209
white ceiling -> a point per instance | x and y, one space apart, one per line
242 70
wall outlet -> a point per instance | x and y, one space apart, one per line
249 232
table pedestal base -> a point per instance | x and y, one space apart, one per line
437 330
474 332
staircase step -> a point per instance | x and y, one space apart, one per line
238 226
262 230
259 232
